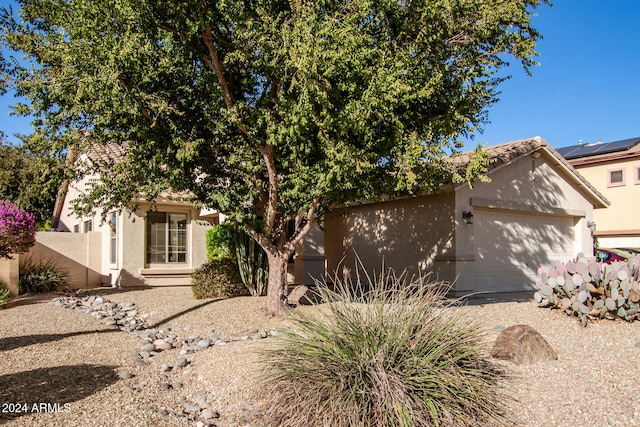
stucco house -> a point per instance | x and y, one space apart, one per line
614 169
489 238
160 243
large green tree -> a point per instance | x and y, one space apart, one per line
268 108
30 179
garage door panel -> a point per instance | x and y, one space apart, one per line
511 246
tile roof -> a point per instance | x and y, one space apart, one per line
502 153
104 156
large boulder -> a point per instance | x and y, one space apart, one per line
522 345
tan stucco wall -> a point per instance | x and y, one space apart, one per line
310 259
427 234
404 234
530 183
68 218
130 268
528 186
78 254
621 217
9 269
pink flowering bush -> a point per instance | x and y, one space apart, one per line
17 230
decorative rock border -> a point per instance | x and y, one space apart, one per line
126 317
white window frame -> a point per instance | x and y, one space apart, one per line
178 247
113 238
621 183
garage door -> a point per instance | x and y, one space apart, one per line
511 246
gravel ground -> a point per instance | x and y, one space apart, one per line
74 368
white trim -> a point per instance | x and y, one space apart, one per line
621 183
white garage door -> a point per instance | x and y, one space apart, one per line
511 246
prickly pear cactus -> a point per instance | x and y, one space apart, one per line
591 290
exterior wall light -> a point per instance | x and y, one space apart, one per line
591 226
467 217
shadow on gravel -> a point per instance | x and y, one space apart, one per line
30 299
497 297
11 343
183 312
51 389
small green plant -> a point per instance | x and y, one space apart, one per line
5 295
218 278
220 241
39 275
389 352
591 290
224 241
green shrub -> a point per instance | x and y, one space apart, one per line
218 278
225 241
220 241
40 275
390 352
5 295
591 290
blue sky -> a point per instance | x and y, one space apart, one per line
587 86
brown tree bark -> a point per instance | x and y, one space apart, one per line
277 286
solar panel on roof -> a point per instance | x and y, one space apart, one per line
585 150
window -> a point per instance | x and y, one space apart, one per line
637 177
616 178
76 228
166 238
114 237
88 226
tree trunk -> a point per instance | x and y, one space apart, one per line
276 289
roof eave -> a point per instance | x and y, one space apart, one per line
598 200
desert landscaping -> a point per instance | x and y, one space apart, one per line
88 372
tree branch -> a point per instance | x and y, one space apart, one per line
300 233
260 238
144 111
272 203
216 66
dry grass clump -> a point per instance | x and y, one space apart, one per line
386 352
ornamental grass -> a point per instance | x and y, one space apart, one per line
384 351
5 295
40 275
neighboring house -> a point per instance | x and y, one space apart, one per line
158 244
492 237
614 169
